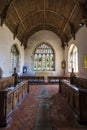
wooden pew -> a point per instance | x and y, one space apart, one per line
76 96
6 82
10 97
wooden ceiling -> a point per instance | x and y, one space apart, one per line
25 17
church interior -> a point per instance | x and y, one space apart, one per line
43 64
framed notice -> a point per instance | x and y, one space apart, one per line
85 62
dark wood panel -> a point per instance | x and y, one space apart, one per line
76 97
10 98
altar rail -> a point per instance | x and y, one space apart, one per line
33 79
10 98
55 79
42 79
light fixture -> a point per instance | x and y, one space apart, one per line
83 22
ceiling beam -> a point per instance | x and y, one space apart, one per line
50 11
64 44
44 15
72 30
80 1
42 24
69 18
19 17
38 11
4 12
23 40
64 39
16 31
83 8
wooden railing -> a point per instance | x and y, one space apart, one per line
33 79
42 79
55 79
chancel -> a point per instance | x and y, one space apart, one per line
46 42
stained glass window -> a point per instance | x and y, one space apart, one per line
44 57
73 58
14 59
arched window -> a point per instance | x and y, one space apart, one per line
44 58
14 58
73 58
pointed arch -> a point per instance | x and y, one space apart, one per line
14 58
73 58
44 58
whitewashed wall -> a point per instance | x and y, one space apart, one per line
6 42
50 38
81 43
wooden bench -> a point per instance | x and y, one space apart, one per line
76 96
10 97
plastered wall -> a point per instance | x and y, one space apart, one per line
81 43
50 38
6 42
26 56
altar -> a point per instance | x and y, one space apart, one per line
44 73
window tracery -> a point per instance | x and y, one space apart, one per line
14 58
44 58
73 58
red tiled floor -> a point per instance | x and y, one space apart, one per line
23 117
62 115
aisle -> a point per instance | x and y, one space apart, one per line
43 115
